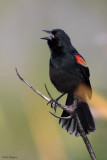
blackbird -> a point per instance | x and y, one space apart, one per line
69 74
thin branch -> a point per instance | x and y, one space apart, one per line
85 138
69 109
35 90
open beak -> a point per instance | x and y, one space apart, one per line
50 33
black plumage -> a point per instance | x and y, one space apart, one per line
69 74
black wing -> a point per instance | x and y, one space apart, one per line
86 74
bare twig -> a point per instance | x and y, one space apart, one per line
69 109
85 138
35 90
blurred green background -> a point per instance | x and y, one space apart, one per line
27 130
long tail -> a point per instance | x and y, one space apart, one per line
84 115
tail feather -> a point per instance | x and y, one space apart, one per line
67 125
63 122
72 127
84 115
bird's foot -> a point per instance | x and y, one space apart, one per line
53 105
68 117
53 102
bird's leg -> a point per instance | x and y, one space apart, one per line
70 110
53 104
53 101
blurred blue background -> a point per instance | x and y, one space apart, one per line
27 130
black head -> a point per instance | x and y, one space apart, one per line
57 38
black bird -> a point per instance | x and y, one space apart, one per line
69 74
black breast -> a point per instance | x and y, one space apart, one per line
63 74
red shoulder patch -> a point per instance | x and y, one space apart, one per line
80 60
